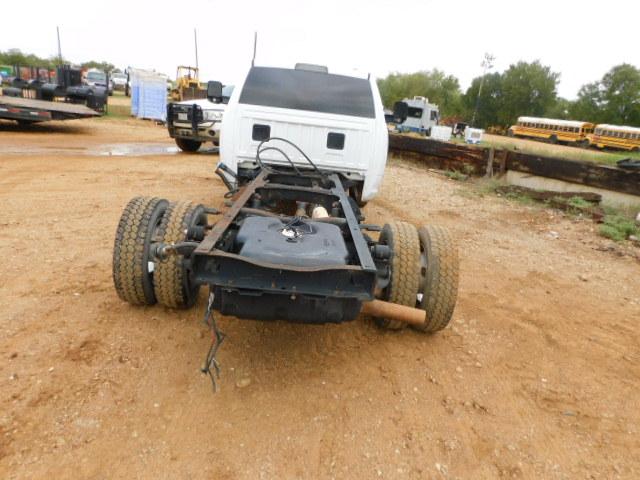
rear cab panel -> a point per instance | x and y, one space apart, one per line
338 121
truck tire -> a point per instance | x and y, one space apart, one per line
403 240
132 271
172 282
438 277
187 145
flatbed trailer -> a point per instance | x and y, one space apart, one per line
31 110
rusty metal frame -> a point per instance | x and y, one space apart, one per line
213 266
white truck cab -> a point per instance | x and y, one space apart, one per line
336 120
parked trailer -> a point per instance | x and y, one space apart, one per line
40 100
28 110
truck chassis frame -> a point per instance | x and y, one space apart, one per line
407 276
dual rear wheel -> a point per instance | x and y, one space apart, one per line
138 278
424 273
423 266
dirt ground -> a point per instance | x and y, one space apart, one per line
538 375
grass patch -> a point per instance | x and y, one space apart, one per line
618 226
578 203
456 175
118 111
521 198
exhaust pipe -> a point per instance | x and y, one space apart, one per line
393 311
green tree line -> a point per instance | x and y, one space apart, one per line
522 89
14 56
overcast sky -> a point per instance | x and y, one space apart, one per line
579 39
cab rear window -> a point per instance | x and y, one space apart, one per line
310 91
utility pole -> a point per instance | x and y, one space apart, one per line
59 49
487 64
195 39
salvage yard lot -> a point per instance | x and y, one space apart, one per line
537 377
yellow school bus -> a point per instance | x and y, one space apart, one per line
552 131
615 136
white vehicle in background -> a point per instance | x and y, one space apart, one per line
416 115
98 78
194 122
119 81
337 121
441 133
473 135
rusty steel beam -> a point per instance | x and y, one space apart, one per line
574 171
449 156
